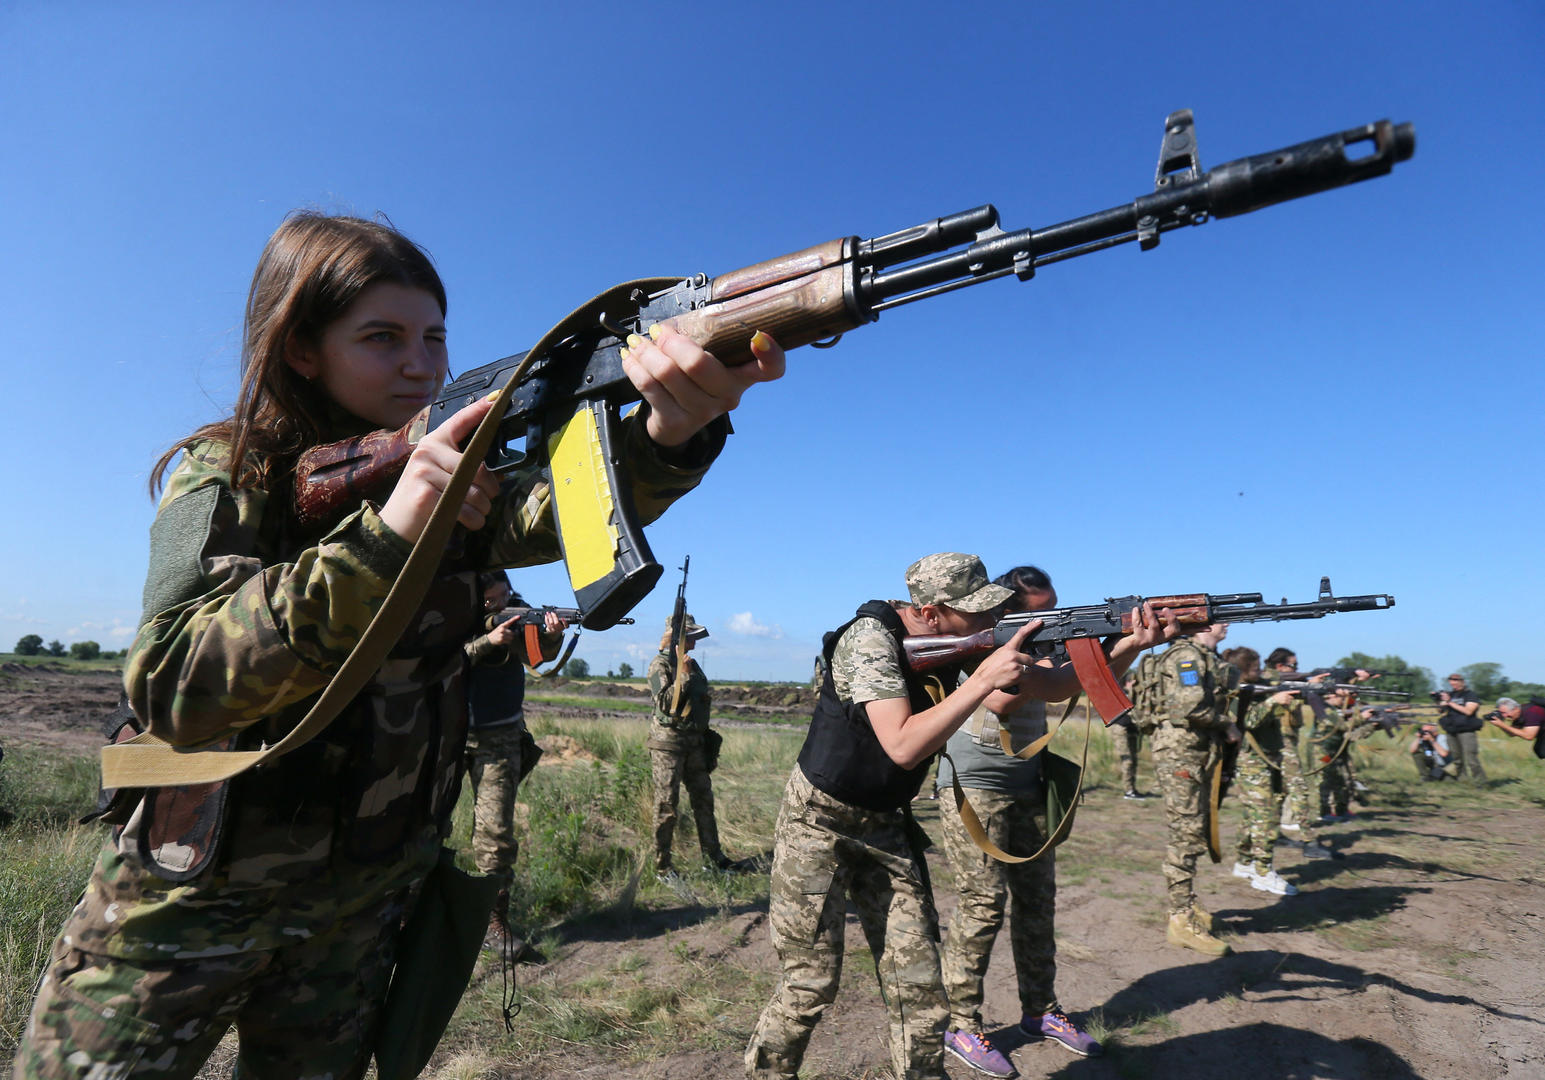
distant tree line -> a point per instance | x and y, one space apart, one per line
32 645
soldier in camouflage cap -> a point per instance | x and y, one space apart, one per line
845 831
272 901
956 580
682 748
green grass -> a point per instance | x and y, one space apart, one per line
44 861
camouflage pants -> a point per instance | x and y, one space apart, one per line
1336 785
1258 786
825 852
1127 740
684 765
1302 792
307 1010
1016 823
493 766
1180 757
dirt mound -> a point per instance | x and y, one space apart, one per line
563 750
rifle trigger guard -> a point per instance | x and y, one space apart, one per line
828 343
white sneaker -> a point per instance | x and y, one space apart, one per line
1273 882
1290 826
1244 870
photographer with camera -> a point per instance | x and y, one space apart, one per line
1460 720
1520 721
1430 752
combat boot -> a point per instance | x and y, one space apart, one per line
1202 915
1185 932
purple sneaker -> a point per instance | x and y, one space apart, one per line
978 1053
1055 1025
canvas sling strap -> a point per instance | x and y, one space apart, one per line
1328 762
148 761
1059 831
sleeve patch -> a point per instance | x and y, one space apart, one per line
1188 673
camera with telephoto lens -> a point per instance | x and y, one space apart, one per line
1436 695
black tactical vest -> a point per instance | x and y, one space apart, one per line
842 756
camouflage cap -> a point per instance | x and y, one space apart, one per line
960 581
695 631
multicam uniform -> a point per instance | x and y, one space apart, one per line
1008 796
676 750
1339 734
1194 684
1301 781
845 830
273 901
1258 783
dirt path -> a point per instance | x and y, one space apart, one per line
1417 953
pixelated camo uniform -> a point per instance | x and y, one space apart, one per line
1010 801
208 908
1258 785
678 758
1127 741
1194 690
1302 786
826 852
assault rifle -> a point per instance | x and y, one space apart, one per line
532 621
1392 717
565 407
537 616
1075 632
1360 689
678 650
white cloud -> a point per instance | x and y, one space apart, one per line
745 623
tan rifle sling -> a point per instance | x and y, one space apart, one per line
973 823
149 761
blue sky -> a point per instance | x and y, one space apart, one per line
1345 385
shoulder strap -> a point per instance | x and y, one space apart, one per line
148 761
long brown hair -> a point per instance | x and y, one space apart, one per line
312 268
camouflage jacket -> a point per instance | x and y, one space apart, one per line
244 624
696 700
1191 686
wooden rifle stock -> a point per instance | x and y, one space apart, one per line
334 477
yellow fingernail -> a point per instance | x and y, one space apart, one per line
761 342
623 353
634 341
493 396
656 330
